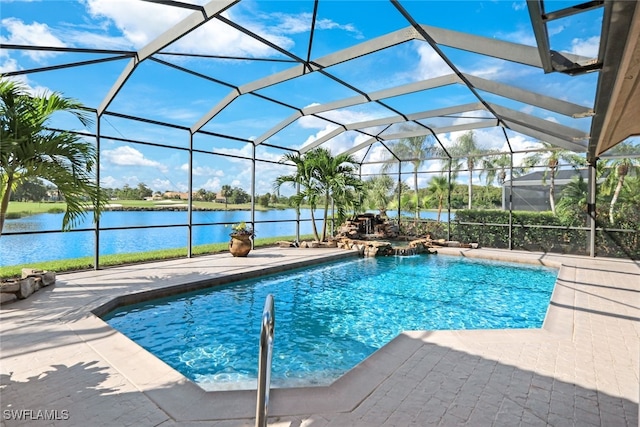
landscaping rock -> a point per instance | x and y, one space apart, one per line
6 297
27 287
31 281
48 277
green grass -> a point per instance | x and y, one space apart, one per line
20 209
85 263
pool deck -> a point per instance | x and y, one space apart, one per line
580 369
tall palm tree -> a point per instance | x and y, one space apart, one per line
552 156
29 149
415 149
335 178
466 152
304 179
621 167
439 187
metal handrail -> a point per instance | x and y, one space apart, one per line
264 363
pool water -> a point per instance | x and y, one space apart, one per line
332 316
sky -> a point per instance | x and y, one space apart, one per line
160 90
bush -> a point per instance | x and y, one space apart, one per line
490 229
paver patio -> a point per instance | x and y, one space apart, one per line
580 369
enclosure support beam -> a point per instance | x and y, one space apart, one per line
96 249
298 216
399 192
449 199
591 208
190 203
511 201
253 191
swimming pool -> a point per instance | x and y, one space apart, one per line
332 316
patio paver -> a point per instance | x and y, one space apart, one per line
580 369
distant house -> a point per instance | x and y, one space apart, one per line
220 198
53 196
176 195
530 194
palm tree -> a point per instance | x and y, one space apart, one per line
226 192
502 164
572 207
335 178
415 150
467 153
29 149
304 179
439 187
621 168
552 155
319 174
379 192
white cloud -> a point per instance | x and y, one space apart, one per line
586 47
213 184
139 22
142 22
112 182
431 64
202 170
30 34
167 185
129 156
301 23
522 36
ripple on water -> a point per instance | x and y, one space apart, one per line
331 317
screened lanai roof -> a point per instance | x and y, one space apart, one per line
353 76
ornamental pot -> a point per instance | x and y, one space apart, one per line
240 245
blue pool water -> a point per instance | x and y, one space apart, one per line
331 317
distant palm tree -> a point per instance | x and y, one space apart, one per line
28 149
226 192
439 187
467 153
502 164
379 192
415 149
621 168
552 156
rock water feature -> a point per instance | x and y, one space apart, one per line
377 236
373 235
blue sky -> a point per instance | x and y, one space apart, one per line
158 92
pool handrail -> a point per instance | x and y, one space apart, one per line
264 362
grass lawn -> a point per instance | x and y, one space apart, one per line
86 263
20 209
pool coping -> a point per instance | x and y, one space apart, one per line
162 384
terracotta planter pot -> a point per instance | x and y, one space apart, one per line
240 245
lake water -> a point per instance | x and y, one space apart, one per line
51 244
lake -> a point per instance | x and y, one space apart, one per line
51 244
